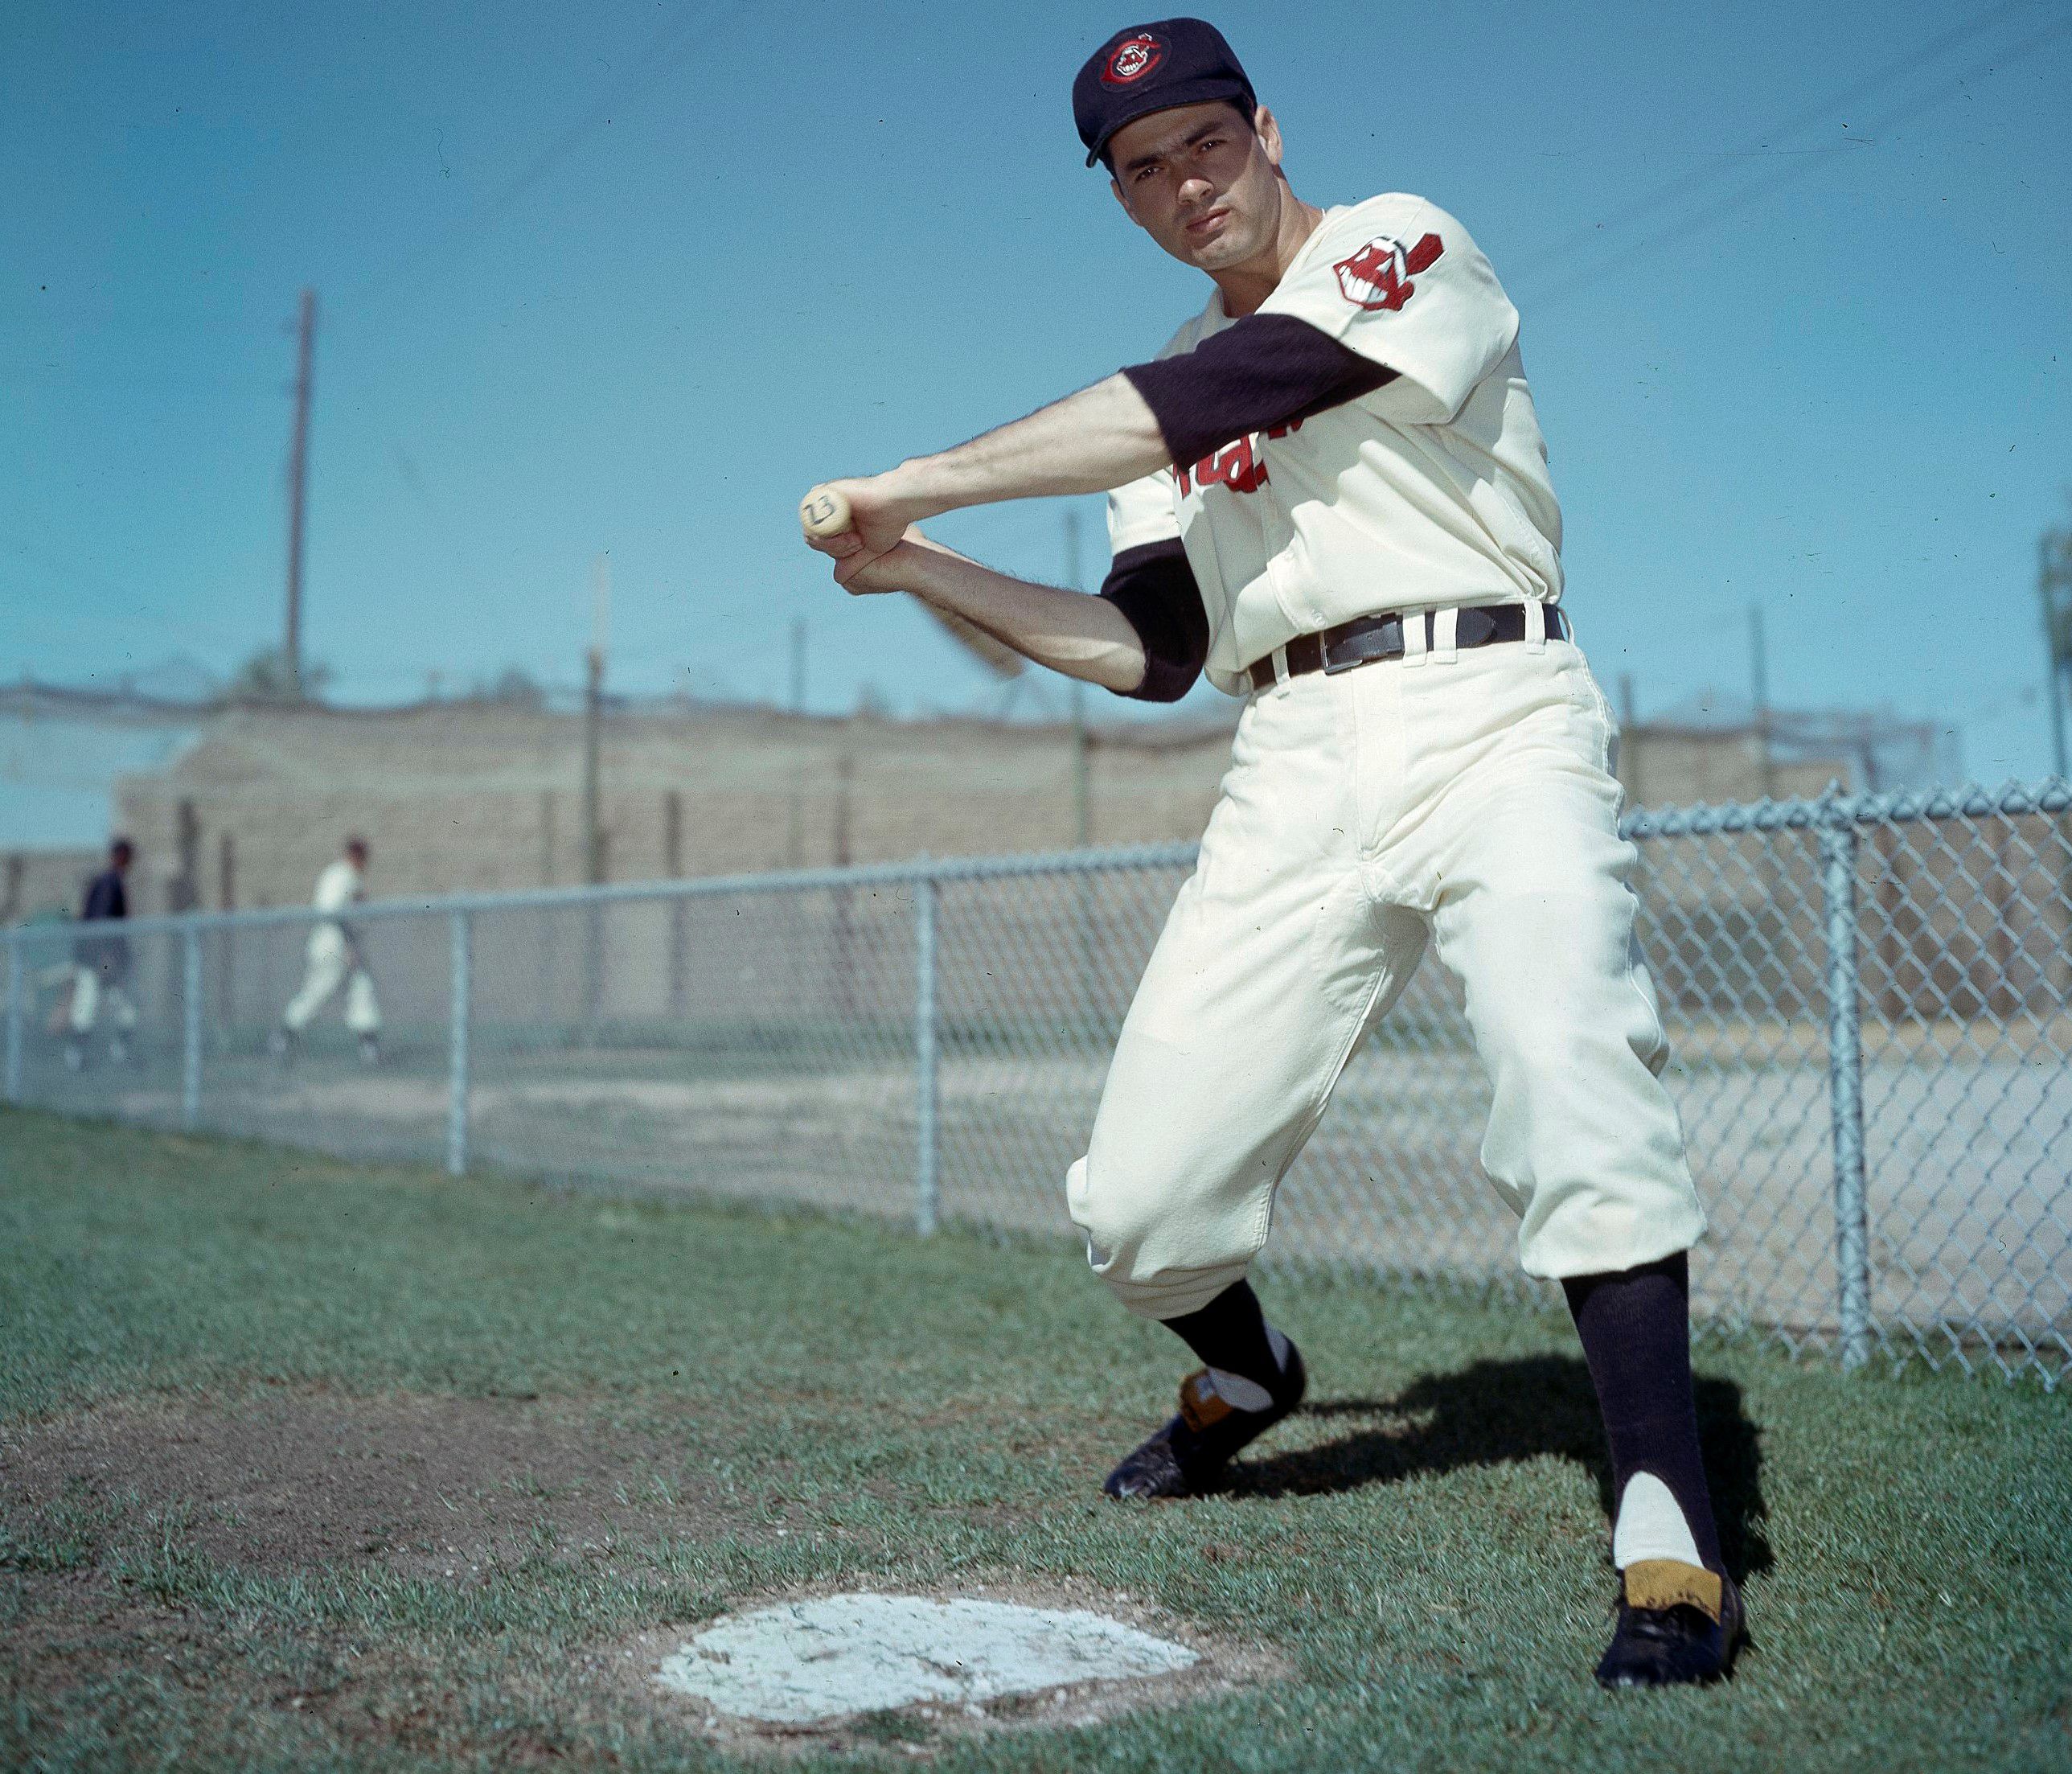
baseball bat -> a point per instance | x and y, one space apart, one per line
824 512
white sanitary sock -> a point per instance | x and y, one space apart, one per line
1650 1525
1244 1394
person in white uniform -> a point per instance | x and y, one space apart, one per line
102 964
336 962
1329 493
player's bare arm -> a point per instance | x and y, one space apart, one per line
1099 438
1084 637
1204 181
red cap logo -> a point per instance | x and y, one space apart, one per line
1131 59
1379 274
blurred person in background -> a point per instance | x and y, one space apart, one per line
100 964
336 962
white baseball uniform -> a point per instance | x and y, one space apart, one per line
1462 797
91 992
334 959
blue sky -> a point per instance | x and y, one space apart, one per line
630 277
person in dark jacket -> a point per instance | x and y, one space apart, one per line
100 962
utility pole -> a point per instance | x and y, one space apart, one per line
1630 744
794 837
593 812
594 720
1759 699
2054 586
1087 1004
298 477
1083 820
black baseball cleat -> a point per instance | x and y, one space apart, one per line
1185 1458
1677 1623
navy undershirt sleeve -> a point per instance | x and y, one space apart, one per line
1266 370
1154 588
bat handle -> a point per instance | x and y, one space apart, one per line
824 512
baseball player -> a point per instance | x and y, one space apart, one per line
336 961
100 964
1329 493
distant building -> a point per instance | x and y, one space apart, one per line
487 795
1710 751
61 751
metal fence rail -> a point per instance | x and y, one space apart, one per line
1867 997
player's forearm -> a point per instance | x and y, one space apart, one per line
1082 636
1099 438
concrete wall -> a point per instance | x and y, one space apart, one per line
468 796
471 798
34 883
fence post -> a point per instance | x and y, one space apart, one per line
1845 1083
925 1200
16 1011
461 970
190 1028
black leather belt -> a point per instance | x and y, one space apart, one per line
1366 639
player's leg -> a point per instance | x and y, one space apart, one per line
79 1018
1536 918
1271 966
362 1014
122 1012
325 974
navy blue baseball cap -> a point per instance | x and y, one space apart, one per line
1151 67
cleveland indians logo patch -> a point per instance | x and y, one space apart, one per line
1378 276
1132 59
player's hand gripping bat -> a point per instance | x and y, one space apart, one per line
825 511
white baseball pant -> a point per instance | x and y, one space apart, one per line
1466 798
332 963
88 991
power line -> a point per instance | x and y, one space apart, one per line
1720 166
668 50
1911 108
137 609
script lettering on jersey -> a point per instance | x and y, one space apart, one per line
1240 466
1378 276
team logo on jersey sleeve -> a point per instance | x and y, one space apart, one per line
1132 59
1378 276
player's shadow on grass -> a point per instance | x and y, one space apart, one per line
1494 1413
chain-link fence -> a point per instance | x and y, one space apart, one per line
1867 996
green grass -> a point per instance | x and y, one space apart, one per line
816 1403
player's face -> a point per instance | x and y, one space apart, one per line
1201 183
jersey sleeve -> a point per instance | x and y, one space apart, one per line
1144 512
1154 588
1401 282
1266 370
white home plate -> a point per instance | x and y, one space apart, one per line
806 1661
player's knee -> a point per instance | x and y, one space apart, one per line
1163 1248
1118 1219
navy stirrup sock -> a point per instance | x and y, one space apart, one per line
1635 1327
1231 1336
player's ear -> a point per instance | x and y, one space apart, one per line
1114 185
1267 127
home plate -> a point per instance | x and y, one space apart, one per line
805 1661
